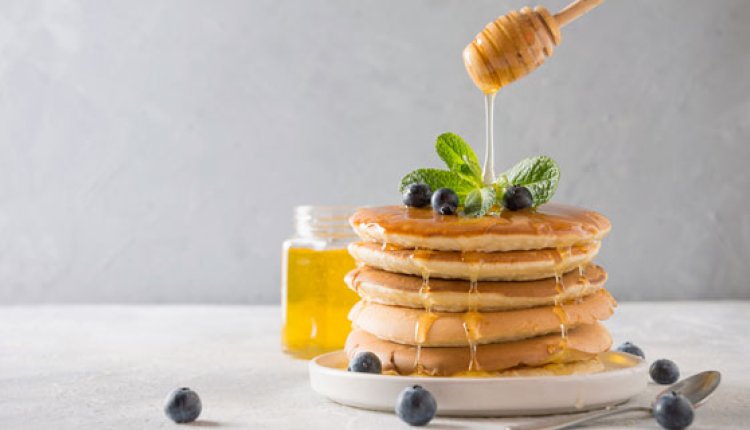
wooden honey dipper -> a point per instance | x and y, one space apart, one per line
513 45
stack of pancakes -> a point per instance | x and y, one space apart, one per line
513 293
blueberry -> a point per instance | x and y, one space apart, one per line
445 201
673 411
365 362
417 195
664 371
416 406
183 405
631 349
517 198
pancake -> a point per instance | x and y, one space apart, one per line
448 295
416 326
549 226
482 266
585 367
582 343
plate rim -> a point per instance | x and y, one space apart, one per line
336 385
315 364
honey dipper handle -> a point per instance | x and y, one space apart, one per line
575 10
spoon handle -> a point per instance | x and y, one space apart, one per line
567 422
575 10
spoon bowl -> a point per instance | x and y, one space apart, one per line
697 388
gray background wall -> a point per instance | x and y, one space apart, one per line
153 150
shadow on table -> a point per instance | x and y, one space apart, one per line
205 423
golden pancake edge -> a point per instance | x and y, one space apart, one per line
551 225
482 266
433 329
582 343
450 295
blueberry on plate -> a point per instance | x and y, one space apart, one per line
631 349
445 201
673 411
416 406
417 195
517 198
664 371
183 405
365 362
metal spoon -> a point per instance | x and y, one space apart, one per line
696 388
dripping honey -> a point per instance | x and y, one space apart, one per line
552 218
428 318
472 320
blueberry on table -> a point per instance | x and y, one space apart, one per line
417 195
416 406
183 405
365 362
631 349
517 198
445 201
673 411
664 371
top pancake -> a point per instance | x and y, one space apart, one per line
549 226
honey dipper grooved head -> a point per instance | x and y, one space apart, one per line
511 47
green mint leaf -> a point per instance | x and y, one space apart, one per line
459 157
437 178
500 185
540 175
479 201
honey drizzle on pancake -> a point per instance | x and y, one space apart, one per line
472 319
560 254
562 316
425 321
421 329
551 218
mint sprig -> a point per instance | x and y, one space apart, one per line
540 175
459 157
479 201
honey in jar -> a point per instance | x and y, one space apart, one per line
315 300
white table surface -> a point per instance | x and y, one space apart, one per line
110 367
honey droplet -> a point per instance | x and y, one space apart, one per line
422 327
418 367
471 323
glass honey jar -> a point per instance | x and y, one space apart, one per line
315 300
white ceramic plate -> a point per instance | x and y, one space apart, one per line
625 377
